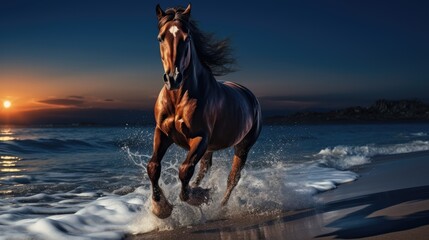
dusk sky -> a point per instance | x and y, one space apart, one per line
293 55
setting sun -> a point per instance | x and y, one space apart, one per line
7 104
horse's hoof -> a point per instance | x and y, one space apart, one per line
162 208
198 196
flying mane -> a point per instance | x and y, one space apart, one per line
215 54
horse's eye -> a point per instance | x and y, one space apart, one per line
187 39
159 39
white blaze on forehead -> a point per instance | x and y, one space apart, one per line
173 30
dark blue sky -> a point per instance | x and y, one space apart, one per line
292 54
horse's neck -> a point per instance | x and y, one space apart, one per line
199 80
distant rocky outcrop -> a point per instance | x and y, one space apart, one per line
381 111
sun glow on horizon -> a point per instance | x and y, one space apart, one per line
7 104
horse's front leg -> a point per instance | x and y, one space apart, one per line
194 196
160 205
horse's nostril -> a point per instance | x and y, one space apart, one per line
178 77
176 72
172 80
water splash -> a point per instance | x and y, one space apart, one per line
136 158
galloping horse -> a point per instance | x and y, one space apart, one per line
197 112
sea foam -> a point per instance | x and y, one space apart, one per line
344 157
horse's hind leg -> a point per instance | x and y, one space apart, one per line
240 156
205 164
234 176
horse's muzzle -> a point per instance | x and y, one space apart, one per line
172 81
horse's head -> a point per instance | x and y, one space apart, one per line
174 44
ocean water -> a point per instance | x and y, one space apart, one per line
91 183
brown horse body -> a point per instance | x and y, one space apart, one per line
198 113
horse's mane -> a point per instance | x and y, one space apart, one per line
215 54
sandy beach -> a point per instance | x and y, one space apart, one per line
390 200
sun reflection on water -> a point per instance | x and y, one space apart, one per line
6 138
6 134
8 163
4 192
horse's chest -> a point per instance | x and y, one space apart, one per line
179 125
176 130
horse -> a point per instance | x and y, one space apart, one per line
197 112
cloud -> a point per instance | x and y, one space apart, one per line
76 97
63 102
109 100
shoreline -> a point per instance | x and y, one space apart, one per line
390 200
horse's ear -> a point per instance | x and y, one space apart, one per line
187 12
159 12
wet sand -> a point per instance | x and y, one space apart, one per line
390 200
